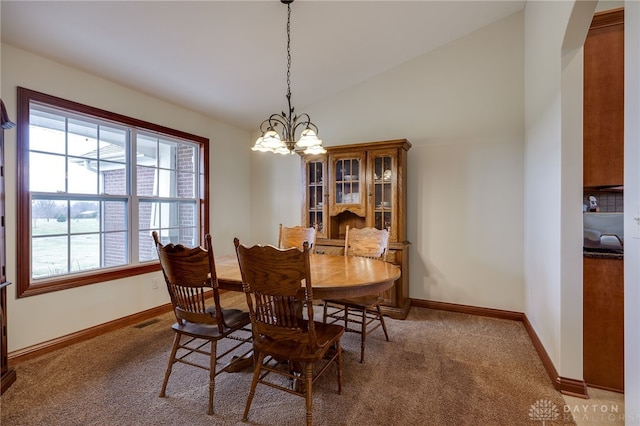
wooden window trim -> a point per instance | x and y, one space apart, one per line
23 209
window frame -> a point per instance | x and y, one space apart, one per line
23 200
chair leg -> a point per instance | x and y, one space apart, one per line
346 317
364 334
212 376
384 326
254 382
172 357
308 376
339 359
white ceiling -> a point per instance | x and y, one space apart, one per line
227 59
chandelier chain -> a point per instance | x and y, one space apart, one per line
288 50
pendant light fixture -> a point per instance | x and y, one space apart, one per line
278 132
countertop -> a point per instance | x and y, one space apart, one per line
603 254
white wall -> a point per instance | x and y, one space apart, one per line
40 318
572 60
632 211
276 194
1 50
542 169
554 34
461 107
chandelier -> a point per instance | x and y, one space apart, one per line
285 141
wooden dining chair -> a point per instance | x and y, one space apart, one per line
295 236
277 283
190 275
366 315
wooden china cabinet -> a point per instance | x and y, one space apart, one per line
361 185
7 374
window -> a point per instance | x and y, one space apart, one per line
93 185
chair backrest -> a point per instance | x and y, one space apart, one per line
277 283
366 242
189 273
295 236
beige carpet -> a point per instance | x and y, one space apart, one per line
440 368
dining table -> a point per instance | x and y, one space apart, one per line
332 277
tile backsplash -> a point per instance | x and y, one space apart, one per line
611 202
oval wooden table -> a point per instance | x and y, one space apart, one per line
332 277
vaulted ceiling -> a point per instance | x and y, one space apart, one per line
227 59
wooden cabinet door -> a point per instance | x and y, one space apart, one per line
603 133
347 182
382 178
315 196
603 323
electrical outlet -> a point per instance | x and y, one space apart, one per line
154 283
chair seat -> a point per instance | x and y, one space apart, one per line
327 335
234 318
369 302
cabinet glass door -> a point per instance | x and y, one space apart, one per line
315 194
347 181
383 182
